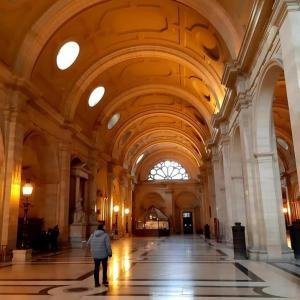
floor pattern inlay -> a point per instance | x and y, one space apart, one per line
176 267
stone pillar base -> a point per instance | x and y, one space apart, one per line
21 256
77 235
262 255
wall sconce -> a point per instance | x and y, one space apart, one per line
284 210
27 189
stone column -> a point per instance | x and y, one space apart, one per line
109 211
123 201
130 204
211 197
204 201
2 152
92 194
227 182
273 232
290 45
252 207
64 156
219 193
13 136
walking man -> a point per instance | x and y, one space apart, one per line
99 243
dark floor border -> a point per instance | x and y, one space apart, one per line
44 291
285 270
221 252
256 289
253 277
81 277
250 274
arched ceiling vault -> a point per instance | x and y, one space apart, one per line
60 12
138 119
150 89
198 71
140 123
141 145
161 63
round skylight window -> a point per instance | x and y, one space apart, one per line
283 143
139 158
96 95
113 121
67 55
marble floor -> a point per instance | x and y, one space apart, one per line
176 267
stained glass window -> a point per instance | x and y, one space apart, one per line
168 170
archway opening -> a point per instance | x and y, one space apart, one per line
40 168
286 155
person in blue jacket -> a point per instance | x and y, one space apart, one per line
100 247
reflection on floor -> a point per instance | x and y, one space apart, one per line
176 267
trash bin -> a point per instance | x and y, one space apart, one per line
295 238
206 231
239 243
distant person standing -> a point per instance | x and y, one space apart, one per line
99 243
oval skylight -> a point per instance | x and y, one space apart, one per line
67 55
139 158
283 143
113 121
96 95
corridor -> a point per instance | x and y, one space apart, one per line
176 267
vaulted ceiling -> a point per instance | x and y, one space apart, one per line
161 63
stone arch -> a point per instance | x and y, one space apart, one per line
83 83
263 128
115 143
156 89
131 157
40 167
272 232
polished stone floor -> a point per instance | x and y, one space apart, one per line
176 267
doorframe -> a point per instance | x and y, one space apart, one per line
192 210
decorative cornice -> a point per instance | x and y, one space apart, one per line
281 9
228 104
35 99
230 74
259 20
257 25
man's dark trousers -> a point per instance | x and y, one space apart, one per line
96 270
